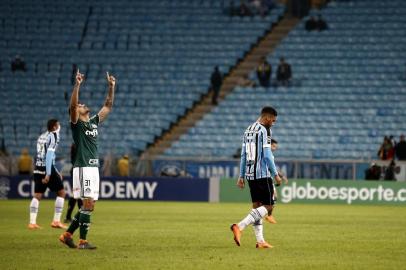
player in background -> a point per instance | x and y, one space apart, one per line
258 168
47 176
86 165
72 201
274 147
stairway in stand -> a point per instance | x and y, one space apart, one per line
264 47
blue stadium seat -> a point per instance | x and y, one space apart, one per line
350 94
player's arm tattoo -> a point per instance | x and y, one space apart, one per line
110 98
108 104
74 100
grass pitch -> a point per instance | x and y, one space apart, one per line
163 235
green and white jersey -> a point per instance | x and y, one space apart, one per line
85 138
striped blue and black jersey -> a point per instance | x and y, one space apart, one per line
257 160
47 141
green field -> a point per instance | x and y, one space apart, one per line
163 235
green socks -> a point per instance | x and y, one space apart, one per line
82 221
84 224
74 224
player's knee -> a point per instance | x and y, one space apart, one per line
88 204
256 204
61 193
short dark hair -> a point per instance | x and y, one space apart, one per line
51 123
269 111
274 141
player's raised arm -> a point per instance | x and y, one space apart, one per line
74 100
108 104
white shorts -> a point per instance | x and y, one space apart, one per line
86 183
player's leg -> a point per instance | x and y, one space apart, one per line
253 216
259 228
56 185
34 206
84 223
256 214
270 218
84 218
77 188
59 202
71 206
39 189
261 243
258 225
256 190
268 201
66 237
90 192
80 203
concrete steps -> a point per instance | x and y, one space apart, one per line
264 47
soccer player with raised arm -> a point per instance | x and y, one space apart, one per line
86 164
258 168
47 176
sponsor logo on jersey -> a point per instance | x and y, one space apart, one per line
93 161
94 126
92 133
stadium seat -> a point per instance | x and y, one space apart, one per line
351 93
162 55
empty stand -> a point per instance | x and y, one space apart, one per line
348 90
161 52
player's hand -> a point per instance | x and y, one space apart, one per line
241 183
45 180
278 180
79 77
283 177
110 80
